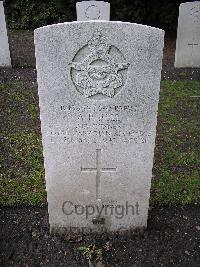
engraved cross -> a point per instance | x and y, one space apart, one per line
99 170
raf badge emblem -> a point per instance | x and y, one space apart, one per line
99 68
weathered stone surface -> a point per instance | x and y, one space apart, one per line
93 10
188 36
99 88
4 46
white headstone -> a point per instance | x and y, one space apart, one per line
188 36
4 46
99 87
93 10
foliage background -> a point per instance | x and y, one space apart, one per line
30 14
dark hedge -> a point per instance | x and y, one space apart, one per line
30 14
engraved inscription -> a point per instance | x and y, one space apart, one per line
195 13
101 71
92 12
98 169
103 123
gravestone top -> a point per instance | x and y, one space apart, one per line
98 88
93 10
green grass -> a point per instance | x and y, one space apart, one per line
177 157
22 172
177 177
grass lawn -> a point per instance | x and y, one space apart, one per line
176 174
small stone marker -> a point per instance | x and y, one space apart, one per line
99 87
92 10
5 60
188 36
